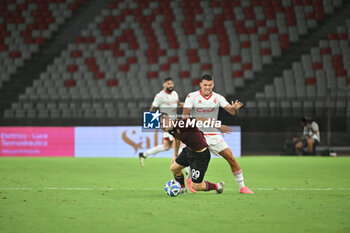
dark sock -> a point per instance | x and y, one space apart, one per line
181 180
210 186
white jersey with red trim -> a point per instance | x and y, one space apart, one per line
167 102
206 107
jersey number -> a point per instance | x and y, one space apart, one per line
195 174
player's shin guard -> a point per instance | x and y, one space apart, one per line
154 150
181 180
239 178
210 186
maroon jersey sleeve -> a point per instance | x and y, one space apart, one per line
189 134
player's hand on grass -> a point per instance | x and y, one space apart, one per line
236 105
225 129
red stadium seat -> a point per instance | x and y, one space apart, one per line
76 53
103 46
70 83
132 60
124 67
72 68
272 30
337 62
310 81
196 81
343 36
206 66
194 59
152 74
317 66
238 74
332 36
112 82
266 51
245 44
118 53
236 59
247 66
341 73
93 68
152 60
325 51
99 75
79 39
173 60
284 38
165 67
184 74
15 54
3 47
90 61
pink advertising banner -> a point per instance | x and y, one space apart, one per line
37 141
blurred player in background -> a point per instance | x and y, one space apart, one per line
205 103
196 153
310 138
167 100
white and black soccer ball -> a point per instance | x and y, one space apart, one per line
173 188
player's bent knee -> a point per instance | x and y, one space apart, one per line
299 146
172 167
310 141
176 168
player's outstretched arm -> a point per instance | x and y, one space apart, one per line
186 112
202 119
233 107
180 104
225 129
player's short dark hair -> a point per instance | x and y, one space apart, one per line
207 77
306 119
168 79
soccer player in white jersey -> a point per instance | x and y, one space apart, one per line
205 103
166 101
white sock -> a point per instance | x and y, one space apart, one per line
239 178
154 150
180 149
189 173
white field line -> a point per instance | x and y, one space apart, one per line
158 189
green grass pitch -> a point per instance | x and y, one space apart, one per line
292 194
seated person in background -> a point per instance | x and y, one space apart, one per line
310 138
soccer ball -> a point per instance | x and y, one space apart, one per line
172 188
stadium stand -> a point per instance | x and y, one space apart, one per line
321 75
25 25
116 64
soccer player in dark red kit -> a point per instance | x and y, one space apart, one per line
196 153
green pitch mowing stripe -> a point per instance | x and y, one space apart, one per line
292 194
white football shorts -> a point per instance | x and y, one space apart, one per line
216 143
